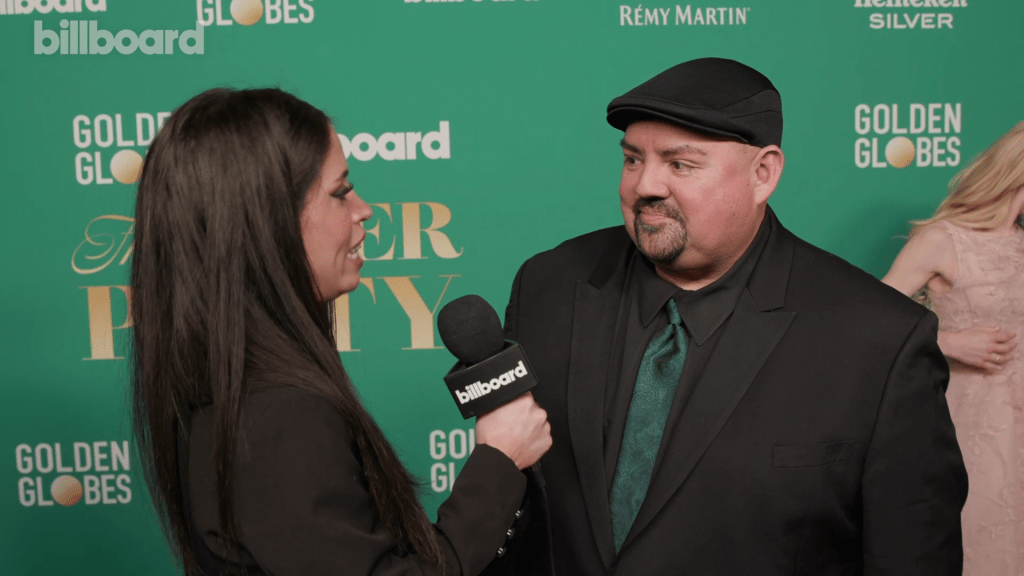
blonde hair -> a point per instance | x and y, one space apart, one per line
981 194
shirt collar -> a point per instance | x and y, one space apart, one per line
703 310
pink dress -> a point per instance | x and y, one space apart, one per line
988 409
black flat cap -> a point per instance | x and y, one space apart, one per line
711 96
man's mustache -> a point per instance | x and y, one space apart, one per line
658 206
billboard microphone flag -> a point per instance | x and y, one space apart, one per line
490 371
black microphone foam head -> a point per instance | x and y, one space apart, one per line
470 329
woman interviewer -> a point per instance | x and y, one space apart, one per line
260 456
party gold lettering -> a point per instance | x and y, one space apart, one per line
421 317
413 231
101 246
101 321
105 325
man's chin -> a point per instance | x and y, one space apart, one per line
661 252
662 243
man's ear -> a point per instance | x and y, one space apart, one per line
767 166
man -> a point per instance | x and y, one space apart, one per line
724 397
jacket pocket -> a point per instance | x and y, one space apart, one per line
804 455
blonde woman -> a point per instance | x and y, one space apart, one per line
969 260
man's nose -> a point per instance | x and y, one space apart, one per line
650 183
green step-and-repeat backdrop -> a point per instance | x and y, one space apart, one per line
476 130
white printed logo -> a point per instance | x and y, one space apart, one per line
941 121
679 16
455 445
249 12
398 145
912 19
85 37
96 470
478 389
104 131
18 7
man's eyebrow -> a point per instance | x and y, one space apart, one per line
684 149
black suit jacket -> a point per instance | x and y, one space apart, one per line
303 503
817 440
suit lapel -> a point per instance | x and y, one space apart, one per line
752 333
594 315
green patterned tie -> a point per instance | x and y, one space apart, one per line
655 387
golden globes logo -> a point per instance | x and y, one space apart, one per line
397 233
66 490
126 166
104 131
452 446
246 12
925 135
95 471
899 152
249 12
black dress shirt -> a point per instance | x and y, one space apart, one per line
642 314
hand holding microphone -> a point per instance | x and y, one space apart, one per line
492 380
520 429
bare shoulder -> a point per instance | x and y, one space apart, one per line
933 238
938 251
929 258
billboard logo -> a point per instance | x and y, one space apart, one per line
921 134
249 12
482 388
85 37
94 471
364 147
18 7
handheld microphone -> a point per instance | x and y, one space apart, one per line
491 371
